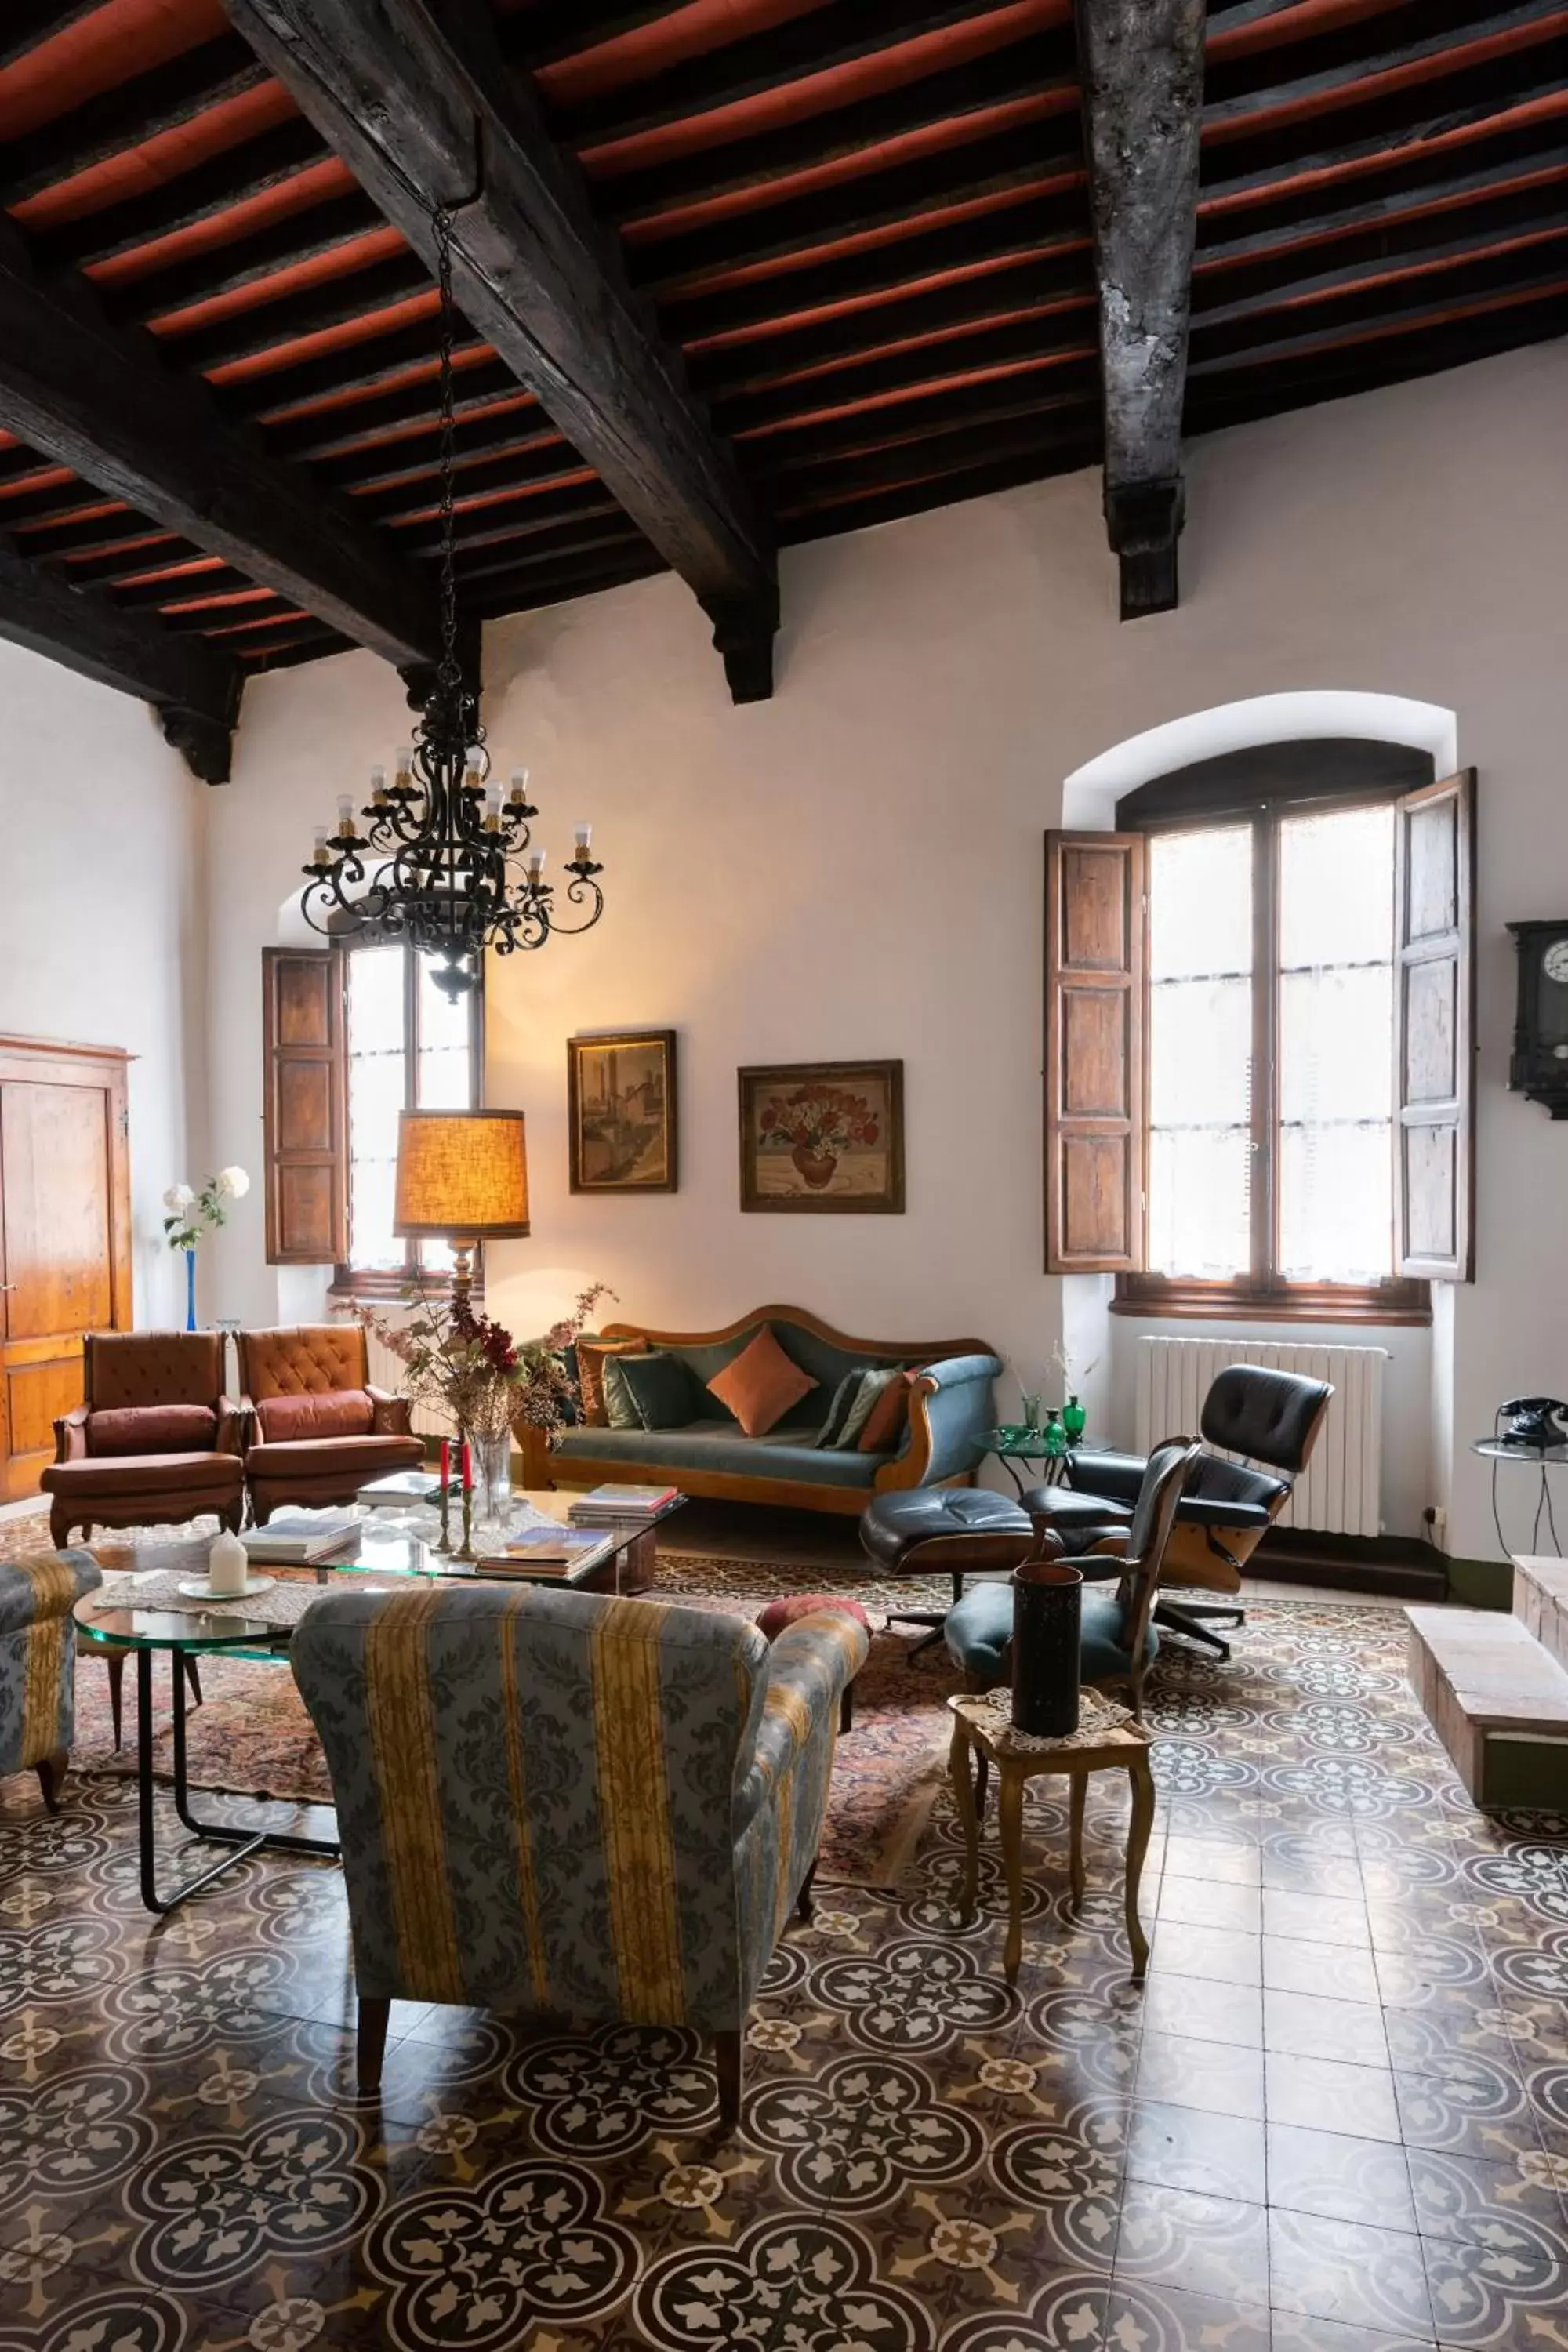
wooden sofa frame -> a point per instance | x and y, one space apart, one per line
543 1468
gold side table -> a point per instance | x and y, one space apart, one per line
1107 1739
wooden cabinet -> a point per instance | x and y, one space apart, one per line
64 1236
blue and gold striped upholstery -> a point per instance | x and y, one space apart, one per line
38 1655
565 1803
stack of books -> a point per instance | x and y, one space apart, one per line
538 1555
603 1504
300 1538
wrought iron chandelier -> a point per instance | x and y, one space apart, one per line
443 861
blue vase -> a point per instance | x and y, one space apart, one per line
190 1290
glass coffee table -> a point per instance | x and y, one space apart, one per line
144 1613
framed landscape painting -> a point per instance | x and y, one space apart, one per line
818 1136
621 1112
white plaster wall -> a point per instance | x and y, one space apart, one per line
101 828
854 868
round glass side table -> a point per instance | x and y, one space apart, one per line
184 1633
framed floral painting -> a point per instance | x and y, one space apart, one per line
621 1108
818 1136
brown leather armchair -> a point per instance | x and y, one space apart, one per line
320 1430
154 1438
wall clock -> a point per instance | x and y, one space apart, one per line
1539 1067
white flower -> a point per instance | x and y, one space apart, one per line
234 1181
178 1198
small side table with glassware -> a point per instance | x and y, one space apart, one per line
1017 1441
1107 1739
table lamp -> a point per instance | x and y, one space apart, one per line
462 1178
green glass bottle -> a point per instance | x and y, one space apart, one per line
1055 1441
1073 1419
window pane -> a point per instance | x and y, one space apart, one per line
444 1080
1336 1047
1200 1053
376 1098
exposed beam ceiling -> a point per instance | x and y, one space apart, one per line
1140 64
105 401
193 685
423 122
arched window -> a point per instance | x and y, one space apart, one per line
1264 1112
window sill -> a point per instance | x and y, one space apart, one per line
1154 1298
394 1289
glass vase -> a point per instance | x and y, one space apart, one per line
1031 1405
1074 1418
494 1463
1055 1440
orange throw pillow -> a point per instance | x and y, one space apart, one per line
885 1421
759 1384
591 1354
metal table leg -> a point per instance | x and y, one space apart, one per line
242 1841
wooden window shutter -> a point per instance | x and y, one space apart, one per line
1095 1123
1434 1030
305 1058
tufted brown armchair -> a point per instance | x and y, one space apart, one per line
319 1429
154 1438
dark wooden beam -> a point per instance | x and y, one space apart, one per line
1434 33
193 687
1142 67
286 318
307 235
104 401
425 119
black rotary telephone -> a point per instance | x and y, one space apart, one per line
1534 1423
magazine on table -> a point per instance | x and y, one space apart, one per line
602 1503
299 1539
547 1552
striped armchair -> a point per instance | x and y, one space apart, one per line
559 1803
38 1666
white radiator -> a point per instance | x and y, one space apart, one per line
1339 1492
386 1372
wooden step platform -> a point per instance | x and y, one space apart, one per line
1495 1694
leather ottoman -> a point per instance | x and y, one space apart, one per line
142 1490
960 1530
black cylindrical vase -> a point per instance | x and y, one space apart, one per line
1047 1607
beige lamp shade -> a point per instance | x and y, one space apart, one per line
461 1175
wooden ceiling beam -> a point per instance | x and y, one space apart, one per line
898 196
1408 308
253 255
1021 345
116 121
103 400
1038 68
1430 182
194 687
399 414
1387 127
1141 69
754 66
585 575
250 168
1380 256
416 108
289 317
1434 33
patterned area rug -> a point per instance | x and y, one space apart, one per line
252 1737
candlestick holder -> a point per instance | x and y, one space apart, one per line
466 1549
444 1540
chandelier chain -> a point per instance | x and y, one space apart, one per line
447 458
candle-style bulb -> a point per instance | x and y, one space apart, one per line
345 816
535 864
519 785
323 854
492 809
583 835
403 762
378 787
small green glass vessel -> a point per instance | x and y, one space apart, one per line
1073 1419
1054 1441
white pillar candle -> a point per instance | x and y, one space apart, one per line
227 1563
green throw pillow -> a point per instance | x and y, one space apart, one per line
620 1406
871 1386
661 1386
843 1398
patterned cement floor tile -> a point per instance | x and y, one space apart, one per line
1239 2155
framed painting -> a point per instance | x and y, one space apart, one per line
823 1136
621 1112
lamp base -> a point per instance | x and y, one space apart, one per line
462 1276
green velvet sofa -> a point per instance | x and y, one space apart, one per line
950 1412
